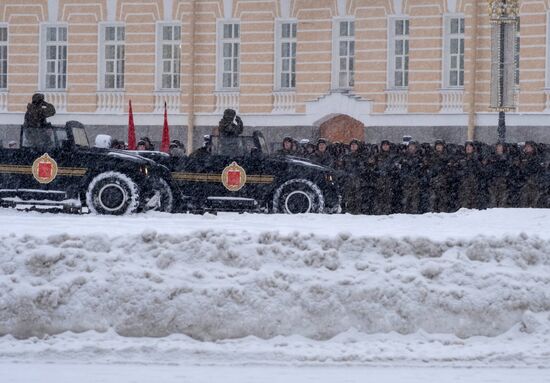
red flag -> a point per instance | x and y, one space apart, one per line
131 129
165 143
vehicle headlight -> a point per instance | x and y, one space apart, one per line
144 169
329 178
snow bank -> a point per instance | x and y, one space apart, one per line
220 285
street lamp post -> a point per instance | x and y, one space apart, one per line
504 21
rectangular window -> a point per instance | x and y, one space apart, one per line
55 57
399 54
169 56
286 55
113 57
454 51
344 53
229 54
3 57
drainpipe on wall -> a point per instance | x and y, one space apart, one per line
472 70
191 104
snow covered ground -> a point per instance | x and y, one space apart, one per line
388 295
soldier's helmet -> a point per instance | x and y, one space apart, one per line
229 114
355 141
322 141
37 98
385 142
439 142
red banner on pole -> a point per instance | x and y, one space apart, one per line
165 143
131 129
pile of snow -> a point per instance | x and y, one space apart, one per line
250 288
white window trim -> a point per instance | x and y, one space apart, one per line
390 83
101 56
42 57
158 55
7 26
335 83
278 58
219 54
445 80
547 74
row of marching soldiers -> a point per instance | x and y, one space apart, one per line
418 178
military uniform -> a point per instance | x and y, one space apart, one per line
386 169
229 131
530 173
438 180
497 173
36 125
469 172
411 176
353 165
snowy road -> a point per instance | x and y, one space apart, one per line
229 298
69 373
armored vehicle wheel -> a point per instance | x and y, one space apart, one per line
160 197
112 193
298 196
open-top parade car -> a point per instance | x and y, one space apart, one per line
55 166
238 173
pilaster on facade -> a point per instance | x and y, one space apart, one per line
546 100
110 101
284 101
172 100
3 100
397 100
58 99
452 100
226 99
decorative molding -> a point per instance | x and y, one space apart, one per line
58 99
110 102
228 9
398 7
397 100
285 9
452 100
342 8
53 11
111 10
168 9
3 101
451 6
284 101
338 103
225 100
172 99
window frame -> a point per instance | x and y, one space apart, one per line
391 56
447 36
7 45
42 72
159 60
102 60
279 40
336 39
220 40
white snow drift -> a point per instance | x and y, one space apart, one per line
382 297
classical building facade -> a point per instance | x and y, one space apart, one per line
377 68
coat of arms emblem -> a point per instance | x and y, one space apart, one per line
233 177
44 169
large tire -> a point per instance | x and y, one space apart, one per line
112 193
298 196
159 197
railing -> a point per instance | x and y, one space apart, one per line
226 99
3 101
452 100
284 102
58 99
110 102
172 100
397 100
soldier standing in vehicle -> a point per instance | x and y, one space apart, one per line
36 125
286 149
230 127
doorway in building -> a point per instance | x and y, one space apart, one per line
342 128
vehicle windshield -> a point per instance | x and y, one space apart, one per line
80 137
49 137
233 146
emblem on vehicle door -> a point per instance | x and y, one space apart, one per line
44 169
233 177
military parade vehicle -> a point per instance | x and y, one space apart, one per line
55 166
238 173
